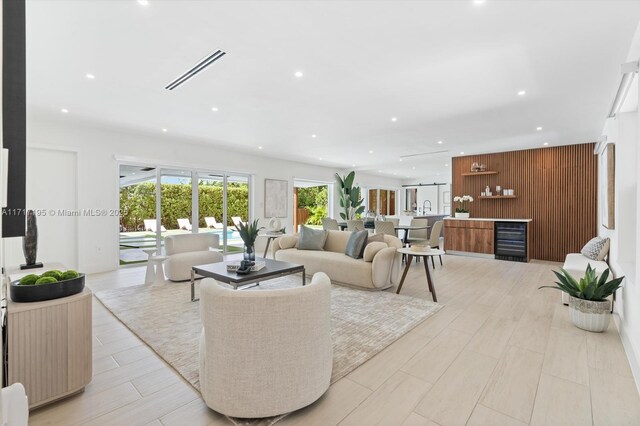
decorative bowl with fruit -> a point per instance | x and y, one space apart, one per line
52 284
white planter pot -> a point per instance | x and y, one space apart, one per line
462 215
590 315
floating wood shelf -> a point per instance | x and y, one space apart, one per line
486 172
499 196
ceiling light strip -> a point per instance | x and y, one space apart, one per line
196 69
423 153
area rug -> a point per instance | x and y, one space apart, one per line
363 323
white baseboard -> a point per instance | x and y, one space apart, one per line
633 355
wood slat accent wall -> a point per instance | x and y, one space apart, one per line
556 187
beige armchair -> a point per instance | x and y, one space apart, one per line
434 239
265 352
188 250
385 227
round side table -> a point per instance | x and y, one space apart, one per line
158 261
149 276
424 255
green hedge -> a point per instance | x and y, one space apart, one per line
138 202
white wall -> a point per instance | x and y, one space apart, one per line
623 132
97 148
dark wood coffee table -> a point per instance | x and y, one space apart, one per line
218 271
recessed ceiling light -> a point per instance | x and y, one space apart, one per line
461 152
90 76
353 165
446 165
64 110
259 147
143 2
379 171
439 142
546 143
522 93
314 136
370 151
320 158
478 1
298 74
394 119
395 173
215 109
413 168
164 130
401 160
538 128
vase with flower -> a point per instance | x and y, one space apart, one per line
463 210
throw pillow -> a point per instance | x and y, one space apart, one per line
356 243
604 250
372 249
287 241
311 239
594 248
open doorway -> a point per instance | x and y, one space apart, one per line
311 202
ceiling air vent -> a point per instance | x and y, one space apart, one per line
147 169
204 63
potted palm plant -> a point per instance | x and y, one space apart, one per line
588 304
249 232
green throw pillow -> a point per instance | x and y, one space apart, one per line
311 239
356 243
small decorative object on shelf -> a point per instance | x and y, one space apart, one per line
498 189
487 191
249 233
463 210
30 243
588 304
483 167
475 167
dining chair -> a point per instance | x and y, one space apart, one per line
385 227
355 225
418 235
434 239
329 224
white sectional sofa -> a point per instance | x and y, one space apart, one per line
378 270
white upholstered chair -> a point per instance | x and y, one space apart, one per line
355 225
385 227
188 250
265 352
329 224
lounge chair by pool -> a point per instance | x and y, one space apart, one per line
184 224
213 223
150 225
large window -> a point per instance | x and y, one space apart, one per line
156 202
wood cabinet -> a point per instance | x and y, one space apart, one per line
472 236
49 346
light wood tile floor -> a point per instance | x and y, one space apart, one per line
499 353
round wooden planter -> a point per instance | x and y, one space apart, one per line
590 315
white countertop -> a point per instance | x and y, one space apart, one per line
488 219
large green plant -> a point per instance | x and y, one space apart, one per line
588 288
248 232
350 200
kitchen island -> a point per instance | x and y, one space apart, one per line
499 238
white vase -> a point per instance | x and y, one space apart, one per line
462 215
590 315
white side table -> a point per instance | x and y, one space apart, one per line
158 261
425 255
149 277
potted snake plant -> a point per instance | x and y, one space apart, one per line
588 304
249 232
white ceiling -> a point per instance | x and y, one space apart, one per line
448 70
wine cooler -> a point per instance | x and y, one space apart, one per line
511 241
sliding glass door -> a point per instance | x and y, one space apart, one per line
157 202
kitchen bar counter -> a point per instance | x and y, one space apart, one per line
488 237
